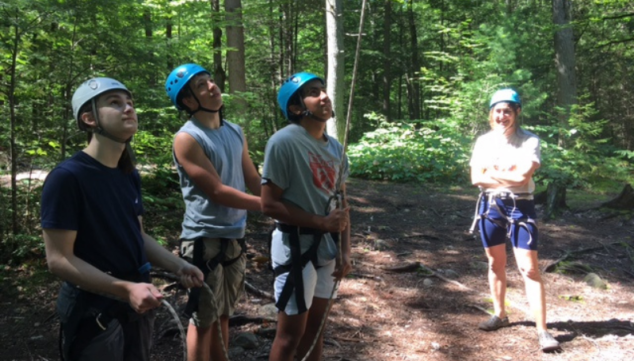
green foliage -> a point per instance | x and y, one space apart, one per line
431 151
585 158
465 51
28 243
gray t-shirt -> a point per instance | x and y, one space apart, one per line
306 169
494 150
203 217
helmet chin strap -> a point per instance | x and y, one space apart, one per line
99 130
206 110
307 113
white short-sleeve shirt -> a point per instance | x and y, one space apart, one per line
494 150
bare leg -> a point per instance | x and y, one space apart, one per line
315 315
497 277
290 330
529 268
198 343
217 352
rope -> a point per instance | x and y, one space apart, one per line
180 327
215 308
339 182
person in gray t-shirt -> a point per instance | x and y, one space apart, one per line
302 167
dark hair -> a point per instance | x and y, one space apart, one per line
514 106
296 99
126 164
184 93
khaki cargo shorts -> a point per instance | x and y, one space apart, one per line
227 283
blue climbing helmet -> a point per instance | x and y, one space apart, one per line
507 95
291 86
178 78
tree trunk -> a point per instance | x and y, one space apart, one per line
625 200
235 55
13 121
555 199
564 60
148 26
387 60
169 27
415 65
566 86
219 72
272 125
335 81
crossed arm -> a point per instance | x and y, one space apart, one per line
490 178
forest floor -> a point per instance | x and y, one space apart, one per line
411 315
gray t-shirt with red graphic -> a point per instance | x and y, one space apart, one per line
306 169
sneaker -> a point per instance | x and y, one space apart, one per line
494 323
547 342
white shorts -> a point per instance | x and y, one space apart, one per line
317 282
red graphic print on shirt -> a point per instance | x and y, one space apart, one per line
324 173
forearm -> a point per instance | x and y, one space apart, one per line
484 180
80 273
161 257
519 176
254 185
231 197
290 214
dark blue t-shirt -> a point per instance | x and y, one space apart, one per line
102 204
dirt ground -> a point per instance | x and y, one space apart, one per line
413 315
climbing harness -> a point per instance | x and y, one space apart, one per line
121 311
297 263
93 312
208 266
507 221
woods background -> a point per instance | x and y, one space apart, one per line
426 72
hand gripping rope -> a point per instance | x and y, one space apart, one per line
508 220
338 195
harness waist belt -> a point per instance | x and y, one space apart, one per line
509 195
287 228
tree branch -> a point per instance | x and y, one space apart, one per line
616 42
614 17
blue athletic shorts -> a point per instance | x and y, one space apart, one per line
524 235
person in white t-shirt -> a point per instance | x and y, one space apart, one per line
502 166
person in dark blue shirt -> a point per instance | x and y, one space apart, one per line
93 233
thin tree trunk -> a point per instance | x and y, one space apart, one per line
235 56
14 151
387 60
415 65
274 110
169 27
564 60
335 81
566 89
67 95
147 22
219 72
